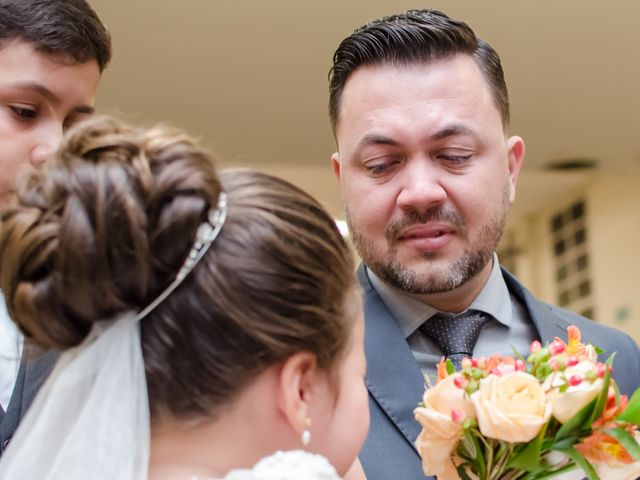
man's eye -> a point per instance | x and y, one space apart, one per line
24 113
456 158
378 168
381 166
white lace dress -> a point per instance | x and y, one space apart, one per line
291 465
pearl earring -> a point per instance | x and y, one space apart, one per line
305 438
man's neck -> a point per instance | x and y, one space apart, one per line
459 299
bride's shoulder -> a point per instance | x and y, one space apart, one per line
290 465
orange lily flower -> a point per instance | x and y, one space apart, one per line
602 448
442 370
574 346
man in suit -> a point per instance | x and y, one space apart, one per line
52 53
420 112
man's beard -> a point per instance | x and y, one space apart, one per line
468 265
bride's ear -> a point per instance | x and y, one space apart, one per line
296 388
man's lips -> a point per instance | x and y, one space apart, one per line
432 230
428 237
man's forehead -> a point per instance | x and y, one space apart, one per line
391 86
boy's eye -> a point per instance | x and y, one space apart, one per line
24 113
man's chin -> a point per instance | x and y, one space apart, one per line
414 279
423 276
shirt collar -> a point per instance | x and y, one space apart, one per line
410 313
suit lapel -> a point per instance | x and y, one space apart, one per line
11 417
393 376
546 321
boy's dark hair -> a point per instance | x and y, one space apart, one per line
68 28
413 37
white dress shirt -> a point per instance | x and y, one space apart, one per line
10 353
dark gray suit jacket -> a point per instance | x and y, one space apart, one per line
35 367
396 384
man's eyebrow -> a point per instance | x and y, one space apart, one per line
49 95
375 139
452 130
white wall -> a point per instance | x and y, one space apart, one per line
613 241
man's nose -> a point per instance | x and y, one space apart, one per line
422 186
47 143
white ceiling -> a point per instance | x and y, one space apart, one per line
250 78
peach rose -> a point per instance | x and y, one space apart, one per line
565 405
440 434
436 454
512 407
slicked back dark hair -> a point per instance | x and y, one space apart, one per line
68 28
413 37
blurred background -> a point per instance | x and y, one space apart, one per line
249 77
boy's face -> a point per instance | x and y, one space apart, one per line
41 95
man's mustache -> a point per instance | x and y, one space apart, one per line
438 214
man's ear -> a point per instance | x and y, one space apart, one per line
335 163
515 151
295 389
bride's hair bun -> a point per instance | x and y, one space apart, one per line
102 228
105 228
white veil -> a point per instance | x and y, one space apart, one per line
90 420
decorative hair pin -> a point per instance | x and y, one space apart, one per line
205 235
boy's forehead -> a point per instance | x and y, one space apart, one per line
53 76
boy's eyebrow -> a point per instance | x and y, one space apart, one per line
49 95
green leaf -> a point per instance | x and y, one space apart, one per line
604 394
470 449
450 368
626 440
599 351
582 462
462 472
550 473
528 459
516 353
631 413
564 443
579 422
469 444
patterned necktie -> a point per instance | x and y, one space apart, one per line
456 335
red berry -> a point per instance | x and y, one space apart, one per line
457 415
460 382
556 347
575 380
535 346
572 361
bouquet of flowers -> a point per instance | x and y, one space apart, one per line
508 418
